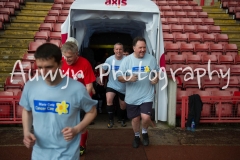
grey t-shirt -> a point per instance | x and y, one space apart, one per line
142 90
53 109
112 78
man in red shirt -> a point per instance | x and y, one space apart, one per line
79 69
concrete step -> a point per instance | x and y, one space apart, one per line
11 57
39 3
23 26
37 7
221 21
15 43
230 28
217 16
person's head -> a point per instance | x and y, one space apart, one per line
126 52
139 47
70 52
48 59
118 50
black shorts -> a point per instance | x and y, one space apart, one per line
136 110
120 95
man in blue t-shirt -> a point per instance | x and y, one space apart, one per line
114 87
140 74
52 105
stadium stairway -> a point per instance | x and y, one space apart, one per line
15 39
226 22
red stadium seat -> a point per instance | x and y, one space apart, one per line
46 27
194 38
68 1
208 21
61 19
197 8
235 70
218 68
41 35
176 8
172 20
213 83
33 46
189 29
28 57
214 29
233 82
15 82
66 6
64 13
187 8
180 14
191 83
56 7
11 5
58 1
57 27
237 59
182 3
176 28
192 14
162 3
202 29
165 8
166 28
185 21
186 48
231 49
222 38
216 49
53 12
226 59
56 42
172 48
201 49
8 11
213 59
55 35
226 110
173 3
202 15
193 59
192 3
50 19
177 59
168 37
168 14
208 38
181 38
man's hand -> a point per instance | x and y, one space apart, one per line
69 133
134 78
98 80
154 80
29 140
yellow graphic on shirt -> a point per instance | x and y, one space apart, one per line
146 69
62 108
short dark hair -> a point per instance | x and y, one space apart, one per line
135 40
48 51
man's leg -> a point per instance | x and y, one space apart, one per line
146 111
110 109
122 111
133 112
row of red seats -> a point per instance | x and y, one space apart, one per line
61 6
188 21
196 38
179 14
211 109
176 3
181 8
14 5
18 1
63 1
227 4
234 69
58 12
201 49
205 82
38 42
189 58
8 11
200 29
55 19
4 17
9 99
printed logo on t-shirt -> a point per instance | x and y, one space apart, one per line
52 106
144 69
115 68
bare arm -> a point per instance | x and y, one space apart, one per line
89 88
27 119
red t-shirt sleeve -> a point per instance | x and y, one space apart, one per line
88 73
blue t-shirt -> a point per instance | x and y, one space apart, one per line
54 108
112 81
140 91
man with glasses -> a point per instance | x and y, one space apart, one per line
81 70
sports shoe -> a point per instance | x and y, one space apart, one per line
82 150
123 124
145 139
136 142
110 124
